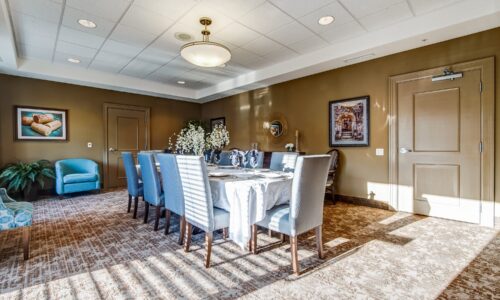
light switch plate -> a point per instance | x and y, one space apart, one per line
379 151
90 145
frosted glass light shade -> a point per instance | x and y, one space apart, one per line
205 54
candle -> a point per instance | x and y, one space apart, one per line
297 133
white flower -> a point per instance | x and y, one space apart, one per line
218 138
191 139
289 146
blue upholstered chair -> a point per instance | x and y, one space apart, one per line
134 185
77 175
153 194
283 161
14 215
172 190
260 159
198 206
225 158
305 211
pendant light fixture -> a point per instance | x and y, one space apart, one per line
205 53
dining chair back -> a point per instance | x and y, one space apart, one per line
306 204
260 159
225 158
283 161
172 190
151 182
332 173
198 205
134 186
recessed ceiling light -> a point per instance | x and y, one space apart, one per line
326 20
74 60
87 23
181 82
182 36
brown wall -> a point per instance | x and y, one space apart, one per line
85 107
304 102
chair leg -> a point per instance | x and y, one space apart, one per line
270 232
208 245
146 211
225 233
157 218
295 258
187 242
136 204
282 237
254 239
26 242
129 202
319 241
167 221
182 230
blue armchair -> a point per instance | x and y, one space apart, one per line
77 175
16 215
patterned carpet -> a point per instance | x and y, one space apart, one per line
88 247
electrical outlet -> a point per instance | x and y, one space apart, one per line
379 151
90 145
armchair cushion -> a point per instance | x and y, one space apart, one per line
16 214
79 177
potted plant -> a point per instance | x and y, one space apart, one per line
27 178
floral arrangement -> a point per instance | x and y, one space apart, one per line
290 147
191 139
218 138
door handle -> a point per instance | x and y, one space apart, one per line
404 150
111 149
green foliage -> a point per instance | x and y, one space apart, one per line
20 176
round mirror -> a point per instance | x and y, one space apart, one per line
276 128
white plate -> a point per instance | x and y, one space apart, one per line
272 175
218 174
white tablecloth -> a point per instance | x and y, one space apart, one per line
247 196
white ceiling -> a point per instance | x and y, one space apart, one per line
134 48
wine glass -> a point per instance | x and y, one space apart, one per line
235 159
254 159
244 159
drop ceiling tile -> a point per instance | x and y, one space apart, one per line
299 8
62 58
262 46
279 55
123 49
190 76
146 20
139 68
41 9
71 17
74 49
109 62
388 16
237 34
80 38
173 9
309 44
204 9
424 6
245 58
26 25
132 36
156 56
159 77
265 18
291 33
334 9
167 42
229 45
35 52
109 9
235 8
181 64
361 8
339 32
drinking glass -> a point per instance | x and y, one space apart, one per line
244 159
235 159
253 162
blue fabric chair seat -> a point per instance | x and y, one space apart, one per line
22 213
277 219
79 177
221 218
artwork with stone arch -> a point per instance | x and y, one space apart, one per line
349 122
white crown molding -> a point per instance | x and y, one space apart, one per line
466 17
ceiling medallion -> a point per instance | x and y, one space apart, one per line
205 53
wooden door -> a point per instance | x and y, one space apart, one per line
439 140
126 130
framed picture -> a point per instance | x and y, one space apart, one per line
350 122
40 124
217 121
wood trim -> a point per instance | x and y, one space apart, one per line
363 201
106 107
487 68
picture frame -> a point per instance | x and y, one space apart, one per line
349 122
40 124
216 121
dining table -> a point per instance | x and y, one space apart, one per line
247 194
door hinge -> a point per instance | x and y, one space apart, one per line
480 86
480 147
